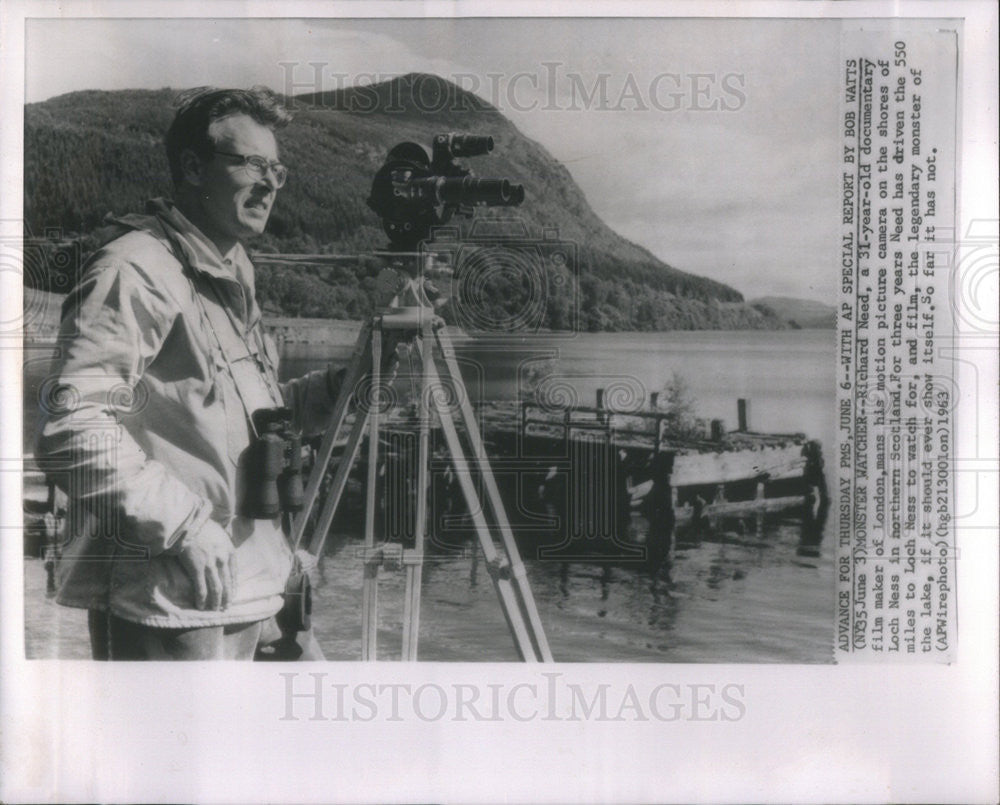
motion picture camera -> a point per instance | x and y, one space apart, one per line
412 193
274 466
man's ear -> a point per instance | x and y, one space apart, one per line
192 167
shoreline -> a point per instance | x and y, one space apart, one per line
42 311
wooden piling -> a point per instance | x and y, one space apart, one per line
662 519
817 502
743 414
620 503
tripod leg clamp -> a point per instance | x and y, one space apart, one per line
390 555
519 571
499 568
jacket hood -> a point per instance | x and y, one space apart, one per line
115 226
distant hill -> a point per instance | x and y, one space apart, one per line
93 152
801 313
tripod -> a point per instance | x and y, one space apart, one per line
410 316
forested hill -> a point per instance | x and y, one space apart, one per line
800 313
93 152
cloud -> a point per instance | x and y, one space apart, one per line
125 54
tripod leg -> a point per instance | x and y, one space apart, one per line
348 458
414 565
369 611
502 584
518 570
356 369
411 610
369 585
336 491
373 439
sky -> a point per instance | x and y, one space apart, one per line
712 143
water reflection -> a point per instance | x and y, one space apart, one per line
738 590
757 588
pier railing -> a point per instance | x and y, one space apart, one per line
649 429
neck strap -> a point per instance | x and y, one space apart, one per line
207 325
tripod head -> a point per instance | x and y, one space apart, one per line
412 192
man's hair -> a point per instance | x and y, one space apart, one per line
198 108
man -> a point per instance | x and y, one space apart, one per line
162 363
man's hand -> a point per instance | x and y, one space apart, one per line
208 557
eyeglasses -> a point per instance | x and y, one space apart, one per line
257 167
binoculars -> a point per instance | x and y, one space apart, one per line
274 466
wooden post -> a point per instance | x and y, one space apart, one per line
599 404
815 502
718 430
743 414
654 400
620 513
662 517
474 569
698 518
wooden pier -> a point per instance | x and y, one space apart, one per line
576 476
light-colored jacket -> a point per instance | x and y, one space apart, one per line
144 423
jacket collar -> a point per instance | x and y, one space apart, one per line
164 221
200 252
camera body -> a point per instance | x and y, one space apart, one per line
412 192
274 464
505 280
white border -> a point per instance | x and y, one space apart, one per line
79 732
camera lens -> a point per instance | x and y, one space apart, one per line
470 145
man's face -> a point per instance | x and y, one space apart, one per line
236 204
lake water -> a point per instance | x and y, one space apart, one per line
734 596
